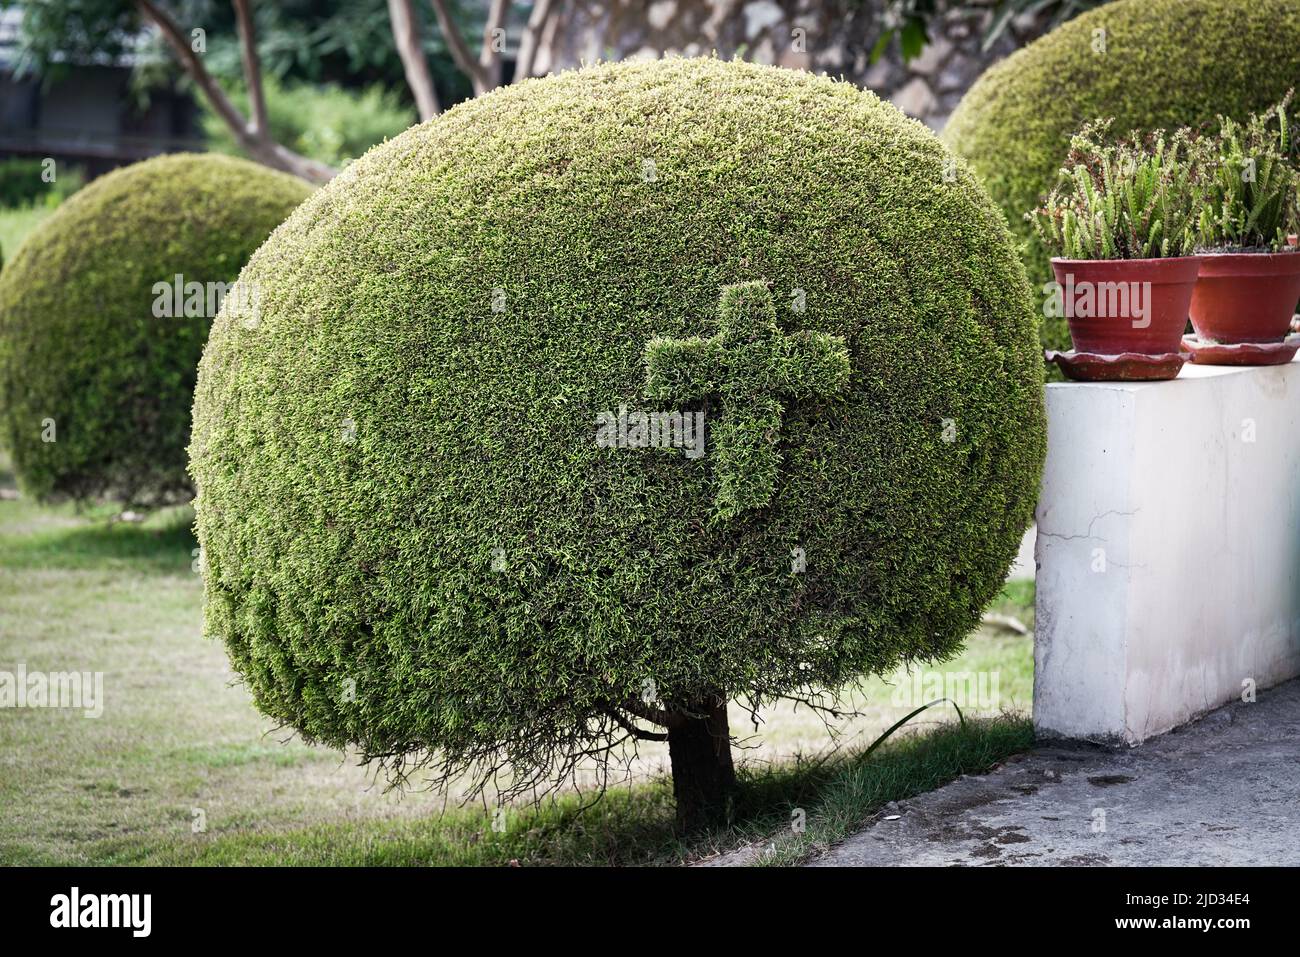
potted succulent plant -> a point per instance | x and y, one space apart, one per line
1122 223
1250 272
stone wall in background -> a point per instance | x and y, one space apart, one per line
834 37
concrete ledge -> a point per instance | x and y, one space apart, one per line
1168 550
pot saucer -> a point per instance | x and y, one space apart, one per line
1122 367
1241 353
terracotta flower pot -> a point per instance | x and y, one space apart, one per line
1126 305
1246 297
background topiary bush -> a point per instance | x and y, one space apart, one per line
79 341
415 544
1167 63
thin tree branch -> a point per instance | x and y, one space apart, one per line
252 68
639 733
456 46
532 33
665 719
195 68
406 36
494 42
256 142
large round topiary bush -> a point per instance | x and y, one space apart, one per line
97 362
428 526
1150 64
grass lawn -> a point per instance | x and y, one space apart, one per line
179 745
15 224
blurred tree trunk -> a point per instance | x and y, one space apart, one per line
406 35
254 136
484 70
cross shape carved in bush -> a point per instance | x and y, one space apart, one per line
749 365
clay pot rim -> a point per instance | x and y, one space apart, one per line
1111 358
1172 269
1117 367
1226 264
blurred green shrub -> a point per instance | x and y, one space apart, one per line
1146 64
88 350
327 123
22 183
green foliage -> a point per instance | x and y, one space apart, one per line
54 35
1008 10
326 123
79 342
15 224
747 363
1138 198
909 21
347 42
1166 64
414 543
1253 193
23 184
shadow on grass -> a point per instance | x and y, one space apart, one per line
629 826
163 544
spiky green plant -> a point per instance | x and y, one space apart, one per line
1151 64
1252 192
1134 198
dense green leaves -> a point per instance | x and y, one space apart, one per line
1252 199
95 388
414 542
748 365
1135 198
1148 64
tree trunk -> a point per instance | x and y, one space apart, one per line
272 154
704 779
406 35
254 137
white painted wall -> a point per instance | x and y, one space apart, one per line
1168 549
